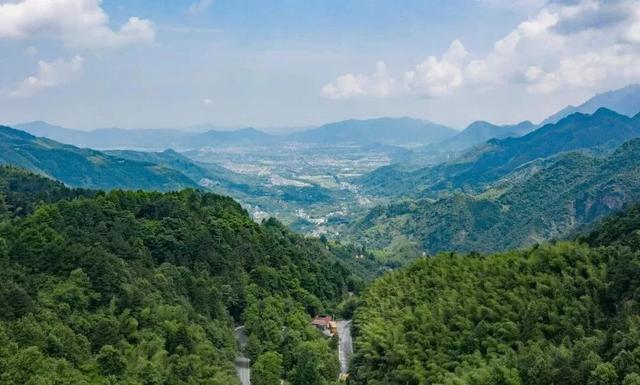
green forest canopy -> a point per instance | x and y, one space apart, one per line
563 313
146 288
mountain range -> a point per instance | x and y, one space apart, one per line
390 131
387 131
480 131
625 101
85 167
146 139
486 164
572 190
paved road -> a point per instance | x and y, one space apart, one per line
345 345
243 370
243 364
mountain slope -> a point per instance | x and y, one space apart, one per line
208 175
564 313
480 132
625 101
393 131
604 130
147 139
573 190
107 138
83 167
484 165
21 191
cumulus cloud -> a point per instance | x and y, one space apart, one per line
581 43
199 7
566 43
435 77
78 23
378 84
50 74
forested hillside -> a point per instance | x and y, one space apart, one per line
562 313
146 288
545 200
80 167
207 175
483 166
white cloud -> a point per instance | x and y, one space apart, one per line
590 44
50 74
78 23
199 7
207 101
435 77
379 84
582 43
633 31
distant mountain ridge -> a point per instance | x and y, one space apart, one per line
388 131
145 170
85 168
600 132
234 137
145 139
572 190
480 131
625 101
401 131
393 131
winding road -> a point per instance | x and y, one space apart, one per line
345 345
243 364
345 350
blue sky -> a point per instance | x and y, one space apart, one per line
144 63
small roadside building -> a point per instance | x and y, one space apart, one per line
325 324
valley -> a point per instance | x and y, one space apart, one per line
313 184
354 180
250 192
194 228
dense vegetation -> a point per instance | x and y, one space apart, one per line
545 200
85 168
146 288
564 313
486 164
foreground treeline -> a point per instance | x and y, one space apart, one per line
146 288
565 313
